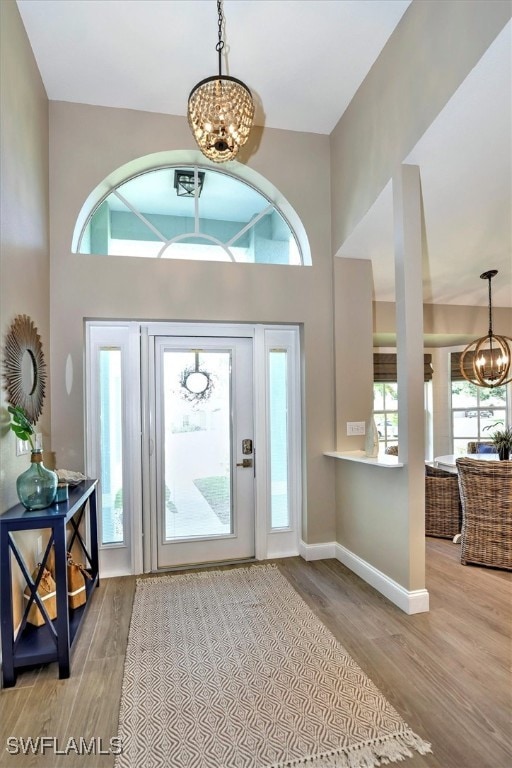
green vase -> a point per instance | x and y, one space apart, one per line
37 486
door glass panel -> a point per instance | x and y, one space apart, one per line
111 447
197 491
278 391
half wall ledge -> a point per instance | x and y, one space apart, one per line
388 462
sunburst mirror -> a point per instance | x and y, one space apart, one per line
25 367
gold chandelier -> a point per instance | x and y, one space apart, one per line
486 361
220 111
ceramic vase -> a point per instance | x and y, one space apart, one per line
371 446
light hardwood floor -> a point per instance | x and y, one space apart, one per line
446 672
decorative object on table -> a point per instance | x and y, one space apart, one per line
70 477
486 496
37 486
266 659
371 445
486 361
47 592
62 492
220 110
502 440
77 576
25 367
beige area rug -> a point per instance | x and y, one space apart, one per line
231 669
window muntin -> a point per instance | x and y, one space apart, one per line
228 221
385 409
476 413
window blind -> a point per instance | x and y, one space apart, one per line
384 367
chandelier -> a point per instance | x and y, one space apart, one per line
486 361
220 110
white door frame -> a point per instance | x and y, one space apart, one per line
138 450
228 545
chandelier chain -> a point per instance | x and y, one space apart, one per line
490 310
220 45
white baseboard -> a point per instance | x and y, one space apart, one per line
317 551
409 601
105 574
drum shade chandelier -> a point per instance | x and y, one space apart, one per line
220 110
486 361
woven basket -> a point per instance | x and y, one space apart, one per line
77 576
443 512
48 594
486 494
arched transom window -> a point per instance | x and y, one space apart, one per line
190 212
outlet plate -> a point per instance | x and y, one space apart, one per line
355 428
22 447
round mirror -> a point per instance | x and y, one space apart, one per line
25 368
28 372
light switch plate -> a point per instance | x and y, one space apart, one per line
355 428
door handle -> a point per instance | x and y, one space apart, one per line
245 463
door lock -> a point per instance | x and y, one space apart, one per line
245 463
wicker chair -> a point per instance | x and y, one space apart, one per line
443 513
486 495
476 447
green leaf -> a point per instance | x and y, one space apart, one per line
19 432
20 424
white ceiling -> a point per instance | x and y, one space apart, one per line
466 171
148 54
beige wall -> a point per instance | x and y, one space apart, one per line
88 143
353 350
433 48
446 324
24 256
24 252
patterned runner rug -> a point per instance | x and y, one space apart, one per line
231 669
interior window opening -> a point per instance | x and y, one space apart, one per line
188 213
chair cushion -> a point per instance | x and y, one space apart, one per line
484 448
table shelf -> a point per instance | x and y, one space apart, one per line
39 645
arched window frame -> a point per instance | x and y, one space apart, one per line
172 160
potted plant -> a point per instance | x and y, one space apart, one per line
502 439
37 486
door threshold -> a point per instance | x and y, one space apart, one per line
203 566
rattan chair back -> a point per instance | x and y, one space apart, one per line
486 496
443 513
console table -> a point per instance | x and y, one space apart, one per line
51 641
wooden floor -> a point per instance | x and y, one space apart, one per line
447 672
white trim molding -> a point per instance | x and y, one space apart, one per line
409 601
317 551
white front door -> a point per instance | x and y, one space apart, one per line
203 459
